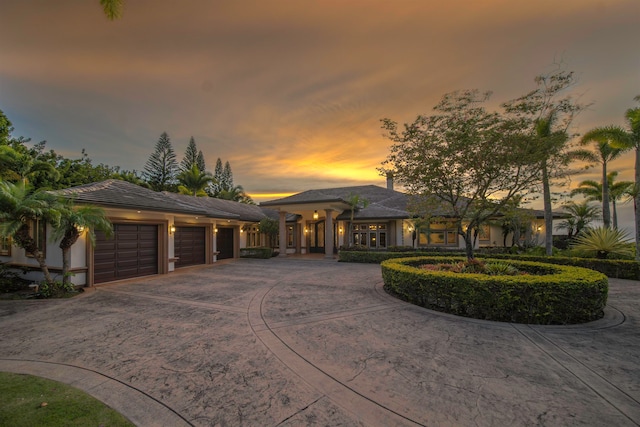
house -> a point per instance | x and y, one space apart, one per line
157 232
325 222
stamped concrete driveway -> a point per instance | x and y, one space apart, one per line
292 342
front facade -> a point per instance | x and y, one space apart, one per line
156 233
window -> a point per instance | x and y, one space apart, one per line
373 236
484 234
291 236
438 233
5 246
38 231
253 236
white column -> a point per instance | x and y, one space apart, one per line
283 233
328 234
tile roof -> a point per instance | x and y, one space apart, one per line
125 195
122 194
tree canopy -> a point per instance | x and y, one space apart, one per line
464 159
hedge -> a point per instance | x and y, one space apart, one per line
614 268
256 252
549 294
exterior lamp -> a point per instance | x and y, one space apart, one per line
539 228
315 214
80 228
172 228
215 230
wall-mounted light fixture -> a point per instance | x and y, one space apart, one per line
539 228
306 230
315 214
215 230
172 228
341 230
80 228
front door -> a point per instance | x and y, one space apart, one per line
316 237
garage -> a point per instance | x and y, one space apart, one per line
190 246
132 251
224 243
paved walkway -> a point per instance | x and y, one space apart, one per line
291 342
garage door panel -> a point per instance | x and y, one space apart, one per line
131 252
190 246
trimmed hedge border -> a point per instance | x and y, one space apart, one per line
256 253
561 295
614 268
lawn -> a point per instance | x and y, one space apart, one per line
26 400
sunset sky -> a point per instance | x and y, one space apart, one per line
291 93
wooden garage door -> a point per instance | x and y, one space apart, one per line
190 246
132 251
224 243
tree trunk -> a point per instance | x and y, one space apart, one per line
70 237
25 241
615 214
548 213
468 243
606 212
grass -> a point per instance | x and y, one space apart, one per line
26 400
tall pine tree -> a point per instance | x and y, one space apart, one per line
227 177
192 157
162 167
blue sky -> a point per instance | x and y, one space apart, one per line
291 93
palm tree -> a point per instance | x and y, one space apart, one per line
604 241
582 214
592 190
605 153
628 140
112 8
193 182
19 209
237 194
74 220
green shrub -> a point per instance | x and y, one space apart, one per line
549 294
256 253
500 269
614 268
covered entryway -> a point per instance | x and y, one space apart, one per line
224 243
132 251
190 246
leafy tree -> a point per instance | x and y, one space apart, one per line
193 182
270 228
582 214
20 208
470 161
592 190
605 152
604 241
547 112
161 168
24 166
6 128
73 221
356 202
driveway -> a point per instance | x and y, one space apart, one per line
294 342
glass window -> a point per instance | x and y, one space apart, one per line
484 233
441 234
5 246
291 236
383 240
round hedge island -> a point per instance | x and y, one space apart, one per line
545 294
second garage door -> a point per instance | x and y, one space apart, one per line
190 246
132 251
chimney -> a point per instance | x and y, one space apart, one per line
389 180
